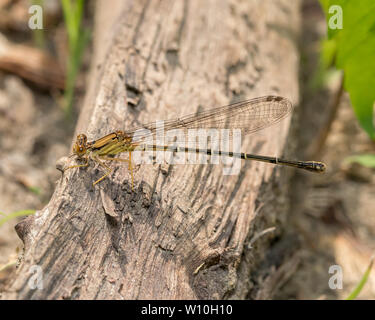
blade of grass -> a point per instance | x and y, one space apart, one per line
360 285
7 265
35 190
38 34
15 215
77 40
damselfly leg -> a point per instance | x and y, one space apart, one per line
130 167
78 165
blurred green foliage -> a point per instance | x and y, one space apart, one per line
78 39
352 49
366 160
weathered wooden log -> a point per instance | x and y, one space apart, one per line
183 232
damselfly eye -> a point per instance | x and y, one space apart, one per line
81 138
80 147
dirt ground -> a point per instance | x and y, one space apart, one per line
34 133
333 213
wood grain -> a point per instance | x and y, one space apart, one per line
182 233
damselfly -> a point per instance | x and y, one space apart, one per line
248 116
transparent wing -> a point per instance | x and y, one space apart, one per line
249 116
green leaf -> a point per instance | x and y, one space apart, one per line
354 52
324 4
363 281
329 49
366 160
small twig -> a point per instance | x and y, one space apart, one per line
258 235
316 148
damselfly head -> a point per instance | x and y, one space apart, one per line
80 146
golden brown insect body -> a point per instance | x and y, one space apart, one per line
103 149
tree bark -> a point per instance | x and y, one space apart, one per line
183 232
